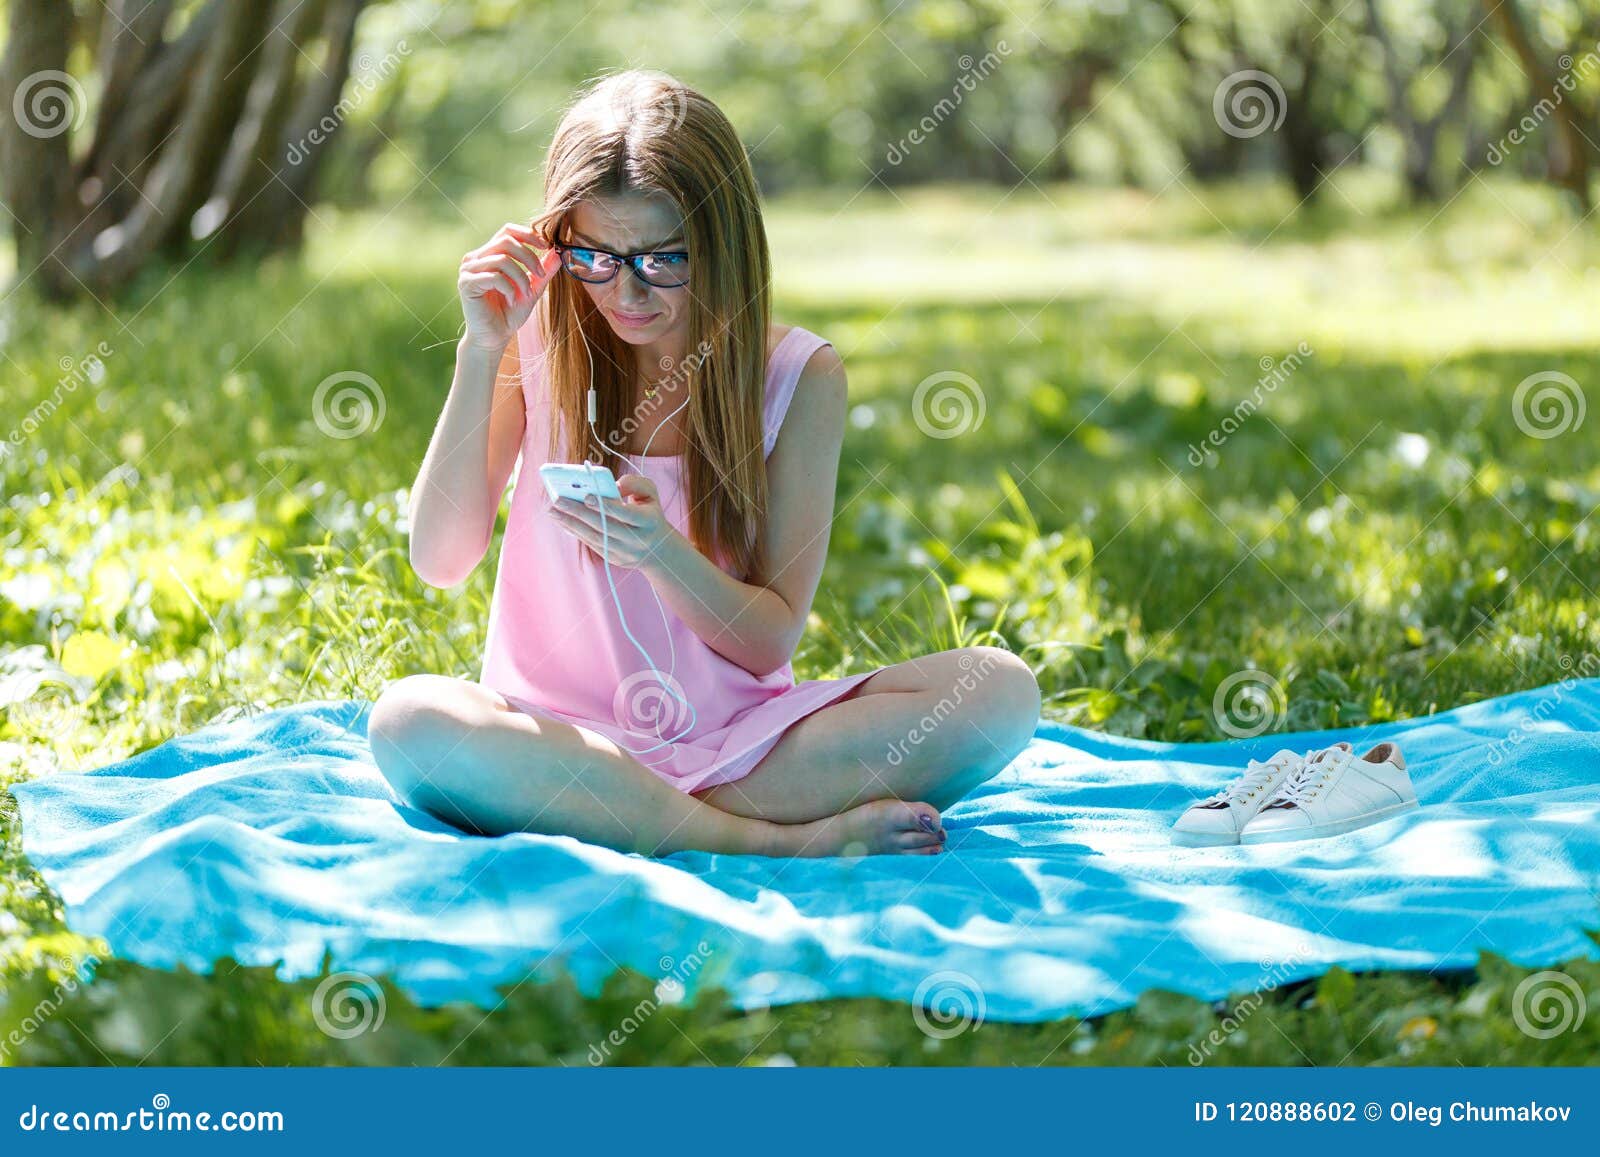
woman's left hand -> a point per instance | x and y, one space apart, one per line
637 532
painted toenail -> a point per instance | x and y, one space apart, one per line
927 824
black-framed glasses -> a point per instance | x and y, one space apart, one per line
667 269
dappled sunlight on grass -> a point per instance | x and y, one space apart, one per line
1375 531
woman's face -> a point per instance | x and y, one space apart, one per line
628 223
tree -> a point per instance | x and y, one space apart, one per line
1420 132
1570 162
199 141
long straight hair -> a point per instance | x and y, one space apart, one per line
646 132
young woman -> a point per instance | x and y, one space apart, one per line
677 723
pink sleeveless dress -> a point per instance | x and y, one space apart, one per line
556 648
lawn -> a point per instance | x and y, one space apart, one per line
1386 529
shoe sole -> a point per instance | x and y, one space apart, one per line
1289 835
1203 840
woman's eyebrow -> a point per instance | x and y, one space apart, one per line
651 248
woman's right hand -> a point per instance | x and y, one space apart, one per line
500 282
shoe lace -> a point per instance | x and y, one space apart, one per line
1254 781
1306 782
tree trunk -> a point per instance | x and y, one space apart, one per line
1572 153
317 111
34 164
242 209
130 136
1421 135
190 137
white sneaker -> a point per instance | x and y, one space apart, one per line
1218 819
1334 792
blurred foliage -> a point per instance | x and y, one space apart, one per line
1012 91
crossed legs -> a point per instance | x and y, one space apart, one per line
868 773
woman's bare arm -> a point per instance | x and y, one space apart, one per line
474 446
757 624
463 475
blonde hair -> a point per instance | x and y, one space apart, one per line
648 133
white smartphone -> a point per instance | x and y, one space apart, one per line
578 480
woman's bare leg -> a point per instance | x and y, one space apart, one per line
459 750
931 729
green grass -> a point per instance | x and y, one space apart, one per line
1380 537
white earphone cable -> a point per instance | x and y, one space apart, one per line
668 682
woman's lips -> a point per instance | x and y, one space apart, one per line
634 319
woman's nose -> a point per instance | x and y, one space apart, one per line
630 293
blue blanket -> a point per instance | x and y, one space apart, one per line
273 838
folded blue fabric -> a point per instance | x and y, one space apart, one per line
273 838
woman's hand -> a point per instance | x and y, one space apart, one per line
637 533
500 282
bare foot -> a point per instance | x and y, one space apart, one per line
884 826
